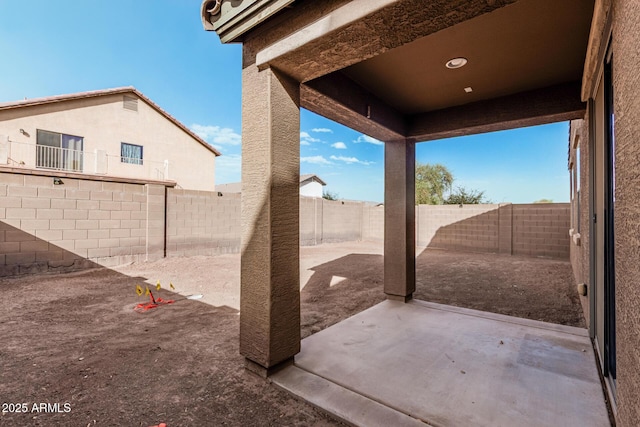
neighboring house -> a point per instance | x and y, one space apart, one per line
112 132
310 186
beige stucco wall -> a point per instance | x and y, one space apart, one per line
104 124
579 242
626 63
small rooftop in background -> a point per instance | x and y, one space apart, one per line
236 187
311 177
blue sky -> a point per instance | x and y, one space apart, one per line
161 48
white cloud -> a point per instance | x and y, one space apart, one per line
316 160
322 130
306 139
367 139
216 136
350 160
339 145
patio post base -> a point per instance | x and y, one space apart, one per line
403 298
263 372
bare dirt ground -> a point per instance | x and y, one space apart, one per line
76 339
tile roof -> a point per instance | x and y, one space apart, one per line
104 92
311 176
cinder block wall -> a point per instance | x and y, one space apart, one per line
470 227
311 211
202 223
341 221
531 230
77 224
373 223
86 222
330 221
541 230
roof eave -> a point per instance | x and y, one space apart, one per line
176 122
231 20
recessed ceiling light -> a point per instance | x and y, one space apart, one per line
456 63
468 89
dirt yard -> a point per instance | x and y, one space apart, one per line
75 339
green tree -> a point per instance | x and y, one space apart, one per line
463 196
544 201
329 195
432 181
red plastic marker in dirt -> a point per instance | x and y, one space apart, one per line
140 308
160 425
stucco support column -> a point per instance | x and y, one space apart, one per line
270 276
626 61
399 220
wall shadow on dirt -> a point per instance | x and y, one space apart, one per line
357 285
478 233
71 335
536 230
76 338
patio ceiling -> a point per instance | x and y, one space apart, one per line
528 45
378 66
383 71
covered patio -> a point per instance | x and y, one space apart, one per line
421 363
403 72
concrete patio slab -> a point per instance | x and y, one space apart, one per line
449 366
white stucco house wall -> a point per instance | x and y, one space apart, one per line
112 132
310 186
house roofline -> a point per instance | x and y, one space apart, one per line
311 177
104 92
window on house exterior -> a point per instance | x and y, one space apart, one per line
574 176
131 153
59 151
572 199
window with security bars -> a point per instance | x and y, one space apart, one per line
131 153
